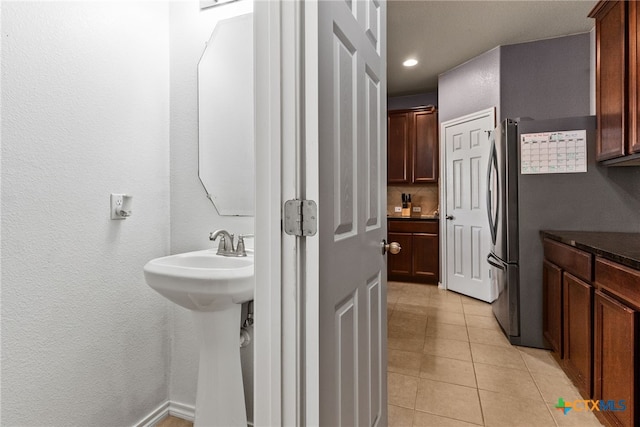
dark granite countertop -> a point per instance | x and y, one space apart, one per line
414 218
623 248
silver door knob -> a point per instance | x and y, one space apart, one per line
449 217
393 247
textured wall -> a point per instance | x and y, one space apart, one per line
470 87
546 79
85 112
542 79
192 214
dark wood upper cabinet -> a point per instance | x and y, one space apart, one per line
398 150
425 148
634 73
412 146
617 81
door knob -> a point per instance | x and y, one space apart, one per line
449 217
393 247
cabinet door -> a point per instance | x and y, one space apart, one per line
425 150
399 266
634 77
425 257
577 359
611 79
398 148
616 358
552 307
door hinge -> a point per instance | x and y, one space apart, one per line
300 217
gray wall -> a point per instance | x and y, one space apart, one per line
545 79
412 101
542 79
470 87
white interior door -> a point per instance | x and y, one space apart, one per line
466 228
345 124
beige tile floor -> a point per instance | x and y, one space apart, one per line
172 421
449 364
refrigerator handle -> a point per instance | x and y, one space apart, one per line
490 260
493 164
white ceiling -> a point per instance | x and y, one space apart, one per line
444 34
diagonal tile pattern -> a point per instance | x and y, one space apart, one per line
450 365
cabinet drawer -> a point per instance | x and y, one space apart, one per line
619 280
575 261
407 226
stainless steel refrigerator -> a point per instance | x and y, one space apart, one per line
521 201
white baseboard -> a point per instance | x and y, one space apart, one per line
154 417
175 409
182 410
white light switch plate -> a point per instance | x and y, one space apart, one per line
397 209
417 209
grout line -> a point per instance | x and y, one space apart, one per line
539 391
448 418
475 374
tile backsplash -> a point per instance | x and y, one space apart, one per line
424 195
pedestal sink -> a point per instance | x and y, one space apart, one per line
213 287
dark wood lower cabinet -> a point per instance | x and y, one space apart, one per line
552 305
591 321
400 265
615 357
418 260
425 257
578 330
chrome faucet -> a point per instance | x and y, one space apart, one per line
225 247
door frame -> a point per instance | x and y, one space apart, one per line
278 331
489 112
287 326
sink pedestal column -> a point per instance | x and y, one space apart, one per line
220 395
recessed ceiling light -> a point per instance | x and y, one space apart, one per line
410 62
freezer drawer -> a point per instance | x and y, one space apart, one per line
505 279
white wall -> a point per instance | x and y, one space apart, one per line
192 214
85 112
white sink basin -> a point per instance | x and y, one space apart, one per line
202 280
212 287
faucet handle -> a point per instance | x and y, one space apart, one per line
240 250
